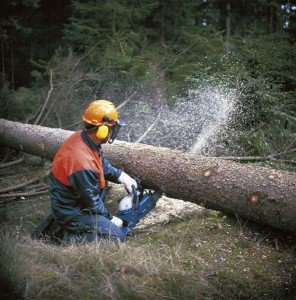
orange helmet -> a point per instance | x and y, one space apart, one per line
99 111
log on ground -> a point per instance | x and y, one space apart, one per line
258 194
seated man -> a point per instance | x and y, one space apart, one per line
78 178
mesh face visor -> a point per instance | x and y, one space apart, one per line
115 129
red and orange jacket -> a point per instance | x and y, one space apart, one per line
78 179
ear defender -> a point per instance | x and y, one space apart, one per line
102 132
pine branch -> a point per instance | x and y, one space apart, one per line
12 163
245 158
25 194
13 175
271 157
286 161
23 184
285 152
35 187
46 100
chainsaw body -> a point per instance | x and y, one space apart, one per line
135 206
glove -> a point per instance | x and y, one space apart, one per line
127 181
118 222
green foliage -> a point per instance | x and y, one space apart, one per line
19 104
123 45
115 32
96 22
257 69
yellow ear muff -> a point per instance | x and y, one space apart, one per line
102 132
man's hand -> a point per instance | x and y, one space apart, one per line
118 222
127 181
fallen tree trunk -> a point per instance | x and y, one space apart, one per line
255 193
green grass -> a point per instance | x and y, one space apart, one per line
207 256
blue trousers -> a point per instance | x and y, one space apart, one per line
87 228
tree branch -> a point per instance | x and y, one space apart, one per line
162 72
46 100
26 194
57 97
58 118
284 152
34 115
13 175
35 187
7 155
73 124
286 161
261 158
23 184
126 101
12 163
244 158
76 82
148 130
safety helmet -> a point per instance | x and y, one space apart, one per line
97 110
103 114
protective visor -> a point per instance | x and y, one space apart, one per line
115 129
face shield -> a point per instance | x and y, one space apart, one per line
115 127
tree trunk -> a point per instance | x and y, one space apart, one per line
255 193
12 62
271 15
227 21
3 62
227 30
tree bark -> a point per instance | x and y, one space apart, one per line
255 193
12 62
3 62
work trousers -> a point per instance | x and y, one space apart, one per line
87 228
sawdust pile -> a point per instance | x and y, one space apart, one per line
168 210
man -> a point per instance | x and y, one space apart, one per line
78 177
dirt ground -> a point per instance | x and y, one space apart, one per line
179 251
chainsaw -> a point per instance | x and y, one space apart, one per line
136 205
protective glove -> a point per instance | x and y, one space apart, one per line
118 222
127 181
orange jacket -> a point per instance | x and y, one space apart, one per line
78 179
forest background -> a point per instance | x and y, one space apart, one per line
164 58
213 77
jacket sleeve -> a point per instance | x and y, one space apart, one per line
111 173
85 183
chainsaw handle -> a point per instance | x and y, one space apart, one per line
140 186
135 197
